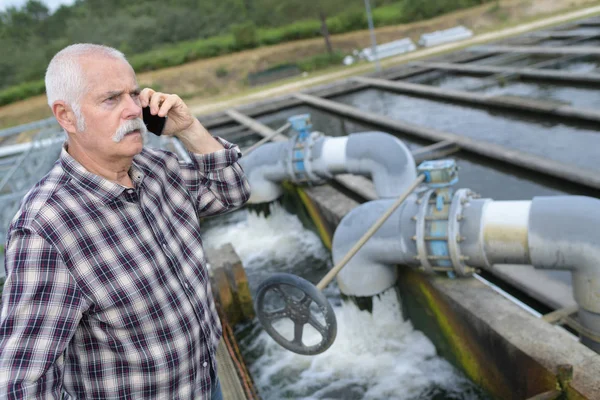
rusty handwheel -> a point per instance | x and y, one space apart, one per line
297 294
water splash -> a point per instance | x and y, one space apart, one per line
376 355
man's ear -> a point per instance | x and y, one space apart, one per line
65 116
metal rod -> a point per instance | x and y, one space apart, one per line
266 139
335 270
556 316
373 40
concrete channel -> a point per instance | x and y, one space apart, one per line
487 335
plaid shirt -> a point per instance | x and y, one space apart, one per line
107 295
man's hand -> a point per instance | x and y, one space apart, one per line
180 122
179 118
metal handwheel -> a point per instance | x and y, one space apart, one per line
298 310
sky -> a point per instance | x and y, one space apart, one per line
51 4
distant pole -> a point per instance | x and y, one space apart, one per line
373 40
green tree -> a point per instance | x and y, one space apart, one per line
320 10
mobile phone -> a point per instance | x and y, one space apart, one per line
154 123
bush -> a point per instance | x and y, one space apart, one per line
299 30
302 30
221 72
21 92
182 53
388 15
320 61
245 35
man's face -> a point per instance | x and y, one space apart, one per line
110 101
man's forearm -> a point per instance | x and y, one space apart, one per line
197 140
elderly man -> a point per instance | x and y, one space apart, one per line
107 295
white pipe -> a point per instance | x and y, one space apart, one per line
333 156
548 232
378 155
559 232
505 229
372 270
265 169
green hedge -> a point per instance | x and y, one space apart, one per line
21 92
320 61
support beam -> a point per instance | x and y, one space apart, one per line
489 150
528 73
480 100
435 151
254 125
537 50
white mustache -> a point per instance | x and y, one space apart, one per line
130 126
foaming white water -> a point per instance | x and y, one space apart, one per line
258 240
375 356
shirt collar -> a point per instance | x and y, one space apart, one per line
102 187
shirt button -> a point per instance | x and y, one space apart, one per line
130 191
205 364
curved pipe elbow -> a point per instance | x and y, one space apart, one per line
265 169
564 233
381 156
372 270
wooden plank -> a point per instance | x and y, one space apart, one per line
236 382
230 383
486 149
480 100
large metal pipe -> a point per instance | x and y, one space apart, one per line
378 155
549 233
456 235
371 271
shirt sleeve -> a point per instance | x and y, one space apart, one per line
216 180
41 309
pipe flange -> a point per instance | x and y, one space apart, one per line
308 167
296 162
300 163
461 197
422 255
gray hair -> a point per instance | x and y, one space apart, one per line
65 78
